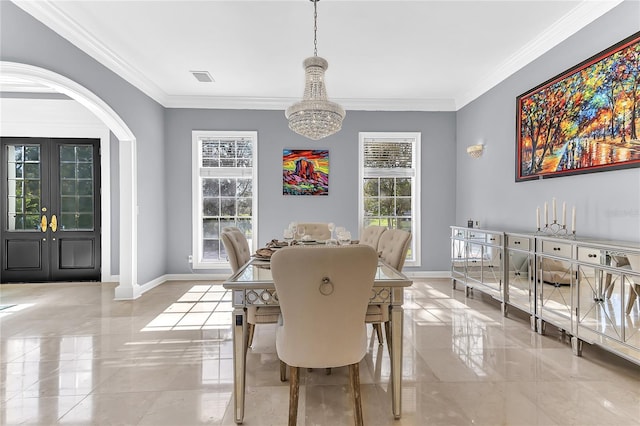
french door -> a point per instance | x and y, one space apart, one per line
50 210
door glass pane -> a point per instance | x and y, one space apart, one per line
24 187
76 188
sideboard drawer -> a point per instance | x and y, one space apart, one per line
519 243
494 239
557 249
589 255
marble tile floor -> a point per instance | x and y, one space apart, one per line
71 355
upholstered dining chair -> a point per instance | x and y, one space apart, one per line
323 293
237 247
371 234
316 231
392 248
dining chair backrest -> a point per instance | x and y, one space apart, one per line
393 247
237 247
371 235
323 294
316 231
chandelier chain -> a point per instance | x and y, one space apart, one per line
315 117
315 27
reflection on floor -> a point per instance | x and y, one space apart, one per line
71 355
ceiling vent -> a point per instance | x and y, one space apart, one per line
202 76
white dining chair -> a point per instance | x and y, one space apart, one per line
315 230
371 234
323 293
393 246
238 252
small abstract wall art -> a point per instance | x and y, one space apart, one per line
305 172
586 119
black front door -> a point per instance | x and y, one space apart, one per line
50 210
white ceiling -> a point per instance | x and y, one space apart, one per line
383 55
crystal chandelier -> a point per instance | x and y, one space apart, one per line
315 117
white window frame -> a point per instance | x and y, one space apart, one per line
415 138
199 172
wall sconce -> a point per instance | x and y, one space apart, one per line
475 151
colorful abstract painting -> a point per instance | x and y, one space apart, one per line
305 172
584 120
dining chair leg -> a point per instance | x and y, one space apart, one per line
250 328
283 371
387 330
378 329
294 387
354 381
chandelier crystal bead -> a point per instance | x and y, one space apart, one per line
315 117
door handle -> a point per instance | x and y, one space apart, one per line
43 223
54 223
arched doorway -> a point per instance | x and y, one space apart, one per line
128 287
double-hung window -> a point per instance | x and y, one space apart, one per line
389 190
224 177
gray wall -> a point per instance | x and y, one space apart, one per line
341 205
607 203
454 187
25 40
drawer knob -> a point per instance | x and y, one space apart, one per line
592 255
556 248
516 242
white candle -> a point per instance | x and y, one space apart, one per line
573 219
546 213
564 213
553 207
538 217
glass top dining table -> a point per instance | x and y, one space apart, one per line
253 285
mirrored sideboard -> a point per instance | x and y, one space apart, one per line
587 288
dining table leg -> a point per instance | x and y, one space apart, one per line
240 335
396 317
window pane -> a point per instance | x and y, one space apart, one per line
31 153
244 188
85 154
32 171
403 187
228 207
211 207
67 154
211 250
244 206
85 171
387 206
210 187
210 228
370 187
403 207
228 187
387 187
68 187
371 207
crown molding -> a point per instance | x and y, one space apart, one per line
219 102
50 15
579 17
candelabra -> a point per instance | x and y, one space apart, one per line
557 230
